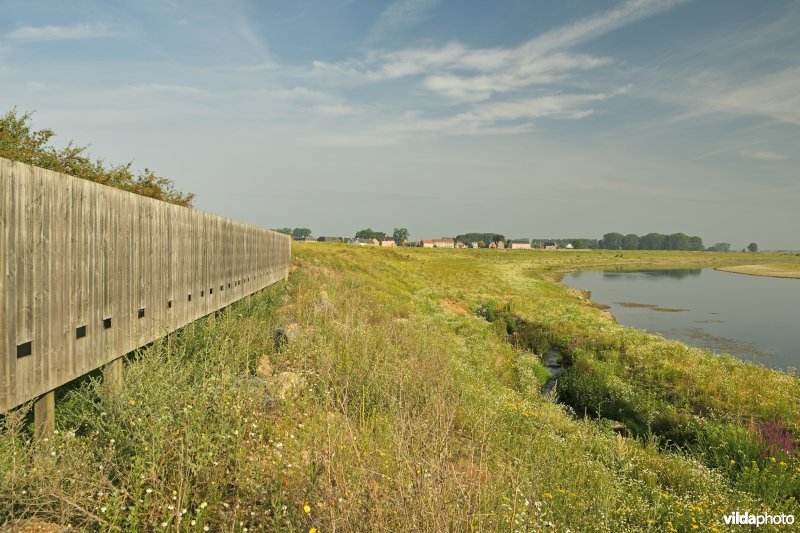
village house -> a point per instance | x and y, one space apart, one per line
388 241
520 244
551 246
499 245
437 243
330 239
366 242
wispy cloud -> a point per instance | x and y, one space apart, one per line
500 87
461 74
490 118
93 30
399 15
762 155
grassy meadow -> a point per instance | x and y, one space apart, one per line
407 398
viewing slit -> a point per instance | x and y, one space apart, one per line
24 349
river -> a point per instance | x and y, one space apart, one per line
750 317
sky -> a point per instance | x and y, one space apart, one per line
526 118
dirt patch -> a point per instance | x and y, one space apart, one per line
652 307
772 270
453 307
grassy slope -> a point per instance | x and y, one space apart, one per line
414 412
780 270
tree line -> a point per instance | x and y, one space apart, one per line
20 142
651 241
610 241
660 241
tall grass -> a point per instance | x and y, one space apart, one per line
395 407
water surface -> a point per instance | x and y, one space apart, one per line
751 317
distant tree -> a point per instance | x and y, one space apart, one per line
400 235
498 238
677 241
301 233
696 244
481 244
630 242
720 247
753 247
370 234
576 243
612 241
652 241
285 231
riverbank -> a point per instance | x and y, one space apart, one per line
773 270
408 398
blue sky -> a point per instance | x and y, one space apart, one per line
568 118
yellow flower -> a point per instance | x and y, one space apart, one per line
312 530
307 508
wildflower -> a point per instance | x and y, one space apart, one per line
133 402
307 508
102 509
203 505
163 524
148 491
312 530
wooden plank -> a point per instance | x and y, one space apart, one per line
44 415
7 348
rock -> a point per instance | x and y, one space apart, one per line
323 303
287 384
264 368
618 427
285 335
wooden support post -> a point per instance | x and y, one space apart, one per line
44 415
112 375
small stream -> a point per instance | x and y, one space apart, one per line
552 361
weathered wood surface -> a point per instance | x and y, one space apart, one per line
76 255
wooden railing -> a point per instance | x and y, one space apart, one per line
89 273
